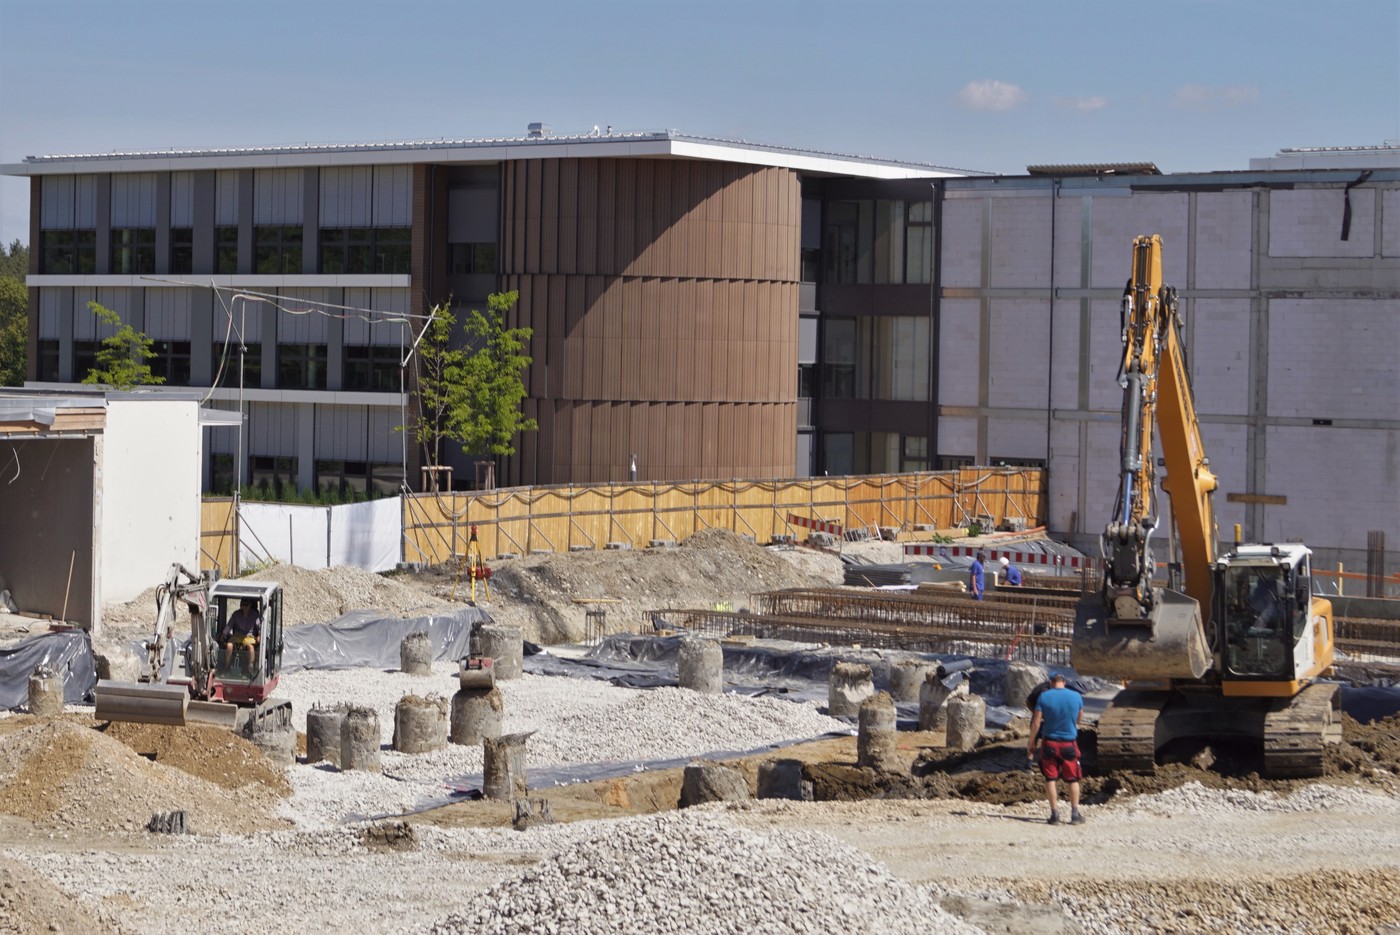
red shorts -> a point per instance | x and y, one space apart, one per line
1059 759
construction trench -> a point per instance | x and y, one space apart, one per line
913 810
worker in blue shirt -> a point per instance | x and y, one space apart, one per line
976 582
1010 574
1058 710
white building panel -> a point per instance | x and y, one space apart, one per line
272 430
1020 333
958 360
340 432
1016 436
56 202
1390 222
150 503
1219 355
134 199
1101 474
1302 466
346 194
277 198
223 441
55 307
1116 221
957 436
1224 244
168 313
1227 446
1105 354
378 317
232 319
1069 241
962 252
1020 243
125 302
182 199
226 198
1064 355
1062 467
1308 222
1334 358
85 202
302 317
385 444
393 196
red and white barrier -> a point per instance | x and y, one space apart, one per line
816 525
1017 558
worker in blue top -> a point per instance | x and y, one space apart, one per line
1010 574
976 582
1058 710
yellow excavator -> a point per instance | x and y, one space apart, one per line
1234 645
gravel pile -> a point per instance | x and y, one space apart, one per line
696 872
1196 798
576 721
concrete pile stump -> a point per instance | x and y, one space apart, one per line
506 645
967 715
505 767
782 779
323 727
45 692
907 678
1020 680
933 701
877 736
712 782
851 683
416 654
476 715
700 666
359 740
420 724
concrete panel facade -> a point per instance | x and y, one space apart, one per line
1328 358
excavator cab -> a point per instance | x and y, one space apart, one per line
233 668
1265 613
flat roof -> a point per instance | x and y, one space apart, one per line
612 144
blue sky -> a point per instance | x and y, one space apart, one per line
1192 85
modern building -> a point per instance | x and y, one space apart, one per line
660 273
720 309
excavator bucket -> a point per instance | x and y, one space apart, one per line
215 713
1170 643
142 702
477 672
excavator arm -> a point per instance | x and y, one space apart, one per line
1134 629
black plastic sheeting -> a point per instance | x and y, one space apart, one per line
68 653
365 639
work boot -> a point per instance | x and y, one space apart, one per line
1076 817
1054 818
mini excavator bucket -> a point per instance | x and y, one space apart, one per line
142 702
477 672
1169 643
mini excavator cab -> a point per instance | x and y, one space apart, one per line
231 668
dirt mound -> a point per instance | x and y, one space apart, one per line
209 753
325 594
30 902
545 593
63 775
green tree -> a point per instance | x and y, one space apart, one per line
472 395
121 363
14 313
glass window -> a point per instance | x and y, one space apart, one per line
811 264
918 249
252 364
221 474
953 462
48 361
84 358
473 259
172 361
846 358
360 250
133 250
915 453
393 250
182 250
272 476
68 252
889 241
358 480
301 366
277 250
226 250
846 242
901 357
838 452
372 368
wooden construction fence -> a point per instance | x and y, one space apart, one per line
522 520
218 535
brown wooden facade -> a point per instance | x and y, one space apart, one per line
663 298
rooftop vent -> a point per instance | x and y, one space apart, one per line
537 130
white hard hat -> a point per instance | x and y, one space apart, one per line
1005 560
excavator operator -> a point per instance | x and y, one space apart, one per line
243 629
1265 602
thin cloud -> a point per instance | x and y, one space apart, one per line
1082 104
990 95
1202 98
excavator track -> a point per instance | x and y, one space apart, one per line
1127 732
1296 735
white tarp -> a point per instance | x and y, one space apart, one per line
366 535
